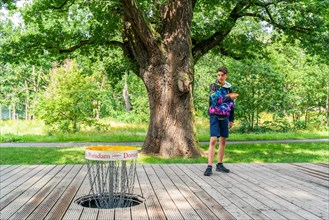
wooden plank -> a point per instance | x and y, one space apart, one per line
139 211
269 199
291 174
323 164
105 214
169 208
18 187
314 167
202 211
211 204
48 196
176 196
153 207
224 197
13 171
22 199
249 191
53 179
89 213
4 167
74 210
290 191
7 169
263 195
250 195
286 205
67 193
313 172
15 175
14 184
122 213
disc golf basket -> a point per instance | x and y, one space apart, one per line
111 173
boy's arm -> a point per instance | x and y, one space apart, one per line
231 117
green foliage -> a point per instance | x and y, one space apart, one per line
259 88
290 84
69 100
305 86
272 74
139 101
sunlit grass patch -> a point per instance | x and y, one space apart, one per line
237 153
278 153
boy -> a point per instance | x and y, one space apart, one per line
221 111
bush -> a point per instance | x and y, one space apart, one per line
69 100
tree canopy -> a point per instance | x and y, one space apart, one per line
232 27
161 41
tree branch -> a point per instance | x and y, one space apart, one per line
271 21
269 14
266 4
204 46
62 5
139 23
225 52
193 3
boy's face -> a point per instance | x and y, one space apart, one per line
221 77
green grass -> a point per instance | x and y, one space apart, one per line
138 136
117 136
300 135
237 153
36 131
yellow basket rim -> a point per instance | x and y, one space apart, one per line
111 148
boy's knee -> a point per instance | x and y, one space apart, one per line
213 140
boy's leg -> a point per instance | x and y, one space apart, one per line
211 150
221 150
214 133
211 153
222 145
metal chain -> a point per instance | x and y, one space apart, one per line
112 182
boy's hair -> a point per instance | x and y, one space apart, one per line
222 69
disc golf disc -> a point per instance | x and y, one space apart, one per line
232 95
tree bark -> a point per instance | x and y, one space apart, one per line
126 96
171 130
166 68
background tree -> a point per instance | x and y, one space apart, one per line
306 85
70 99
163 40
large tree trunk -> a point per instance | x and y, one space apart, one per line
166 65
171 130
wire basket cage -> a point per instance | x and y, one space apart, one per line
111 173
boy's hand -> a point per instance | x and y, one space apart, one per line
233 95
231 124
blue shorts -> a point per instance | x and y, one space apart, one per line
218 127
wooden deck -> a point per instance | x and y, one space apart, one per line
250 191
